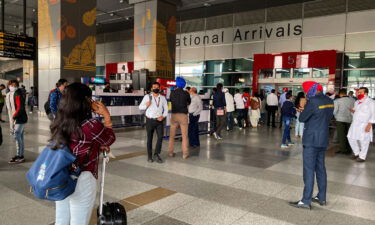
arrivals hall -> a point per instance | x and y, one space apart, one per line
187 112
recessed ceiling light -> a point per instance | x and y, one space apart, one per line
207 4
34 10
112 14
121 1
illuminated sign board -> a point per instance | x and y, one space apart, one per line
17 46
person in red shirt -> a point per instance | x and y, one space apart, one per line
86 137
246 98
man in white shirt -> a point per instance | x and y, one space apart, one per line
360 132
271 107
230 109
156 107
195 108
240 108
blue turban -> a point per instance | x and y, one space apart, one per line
180 82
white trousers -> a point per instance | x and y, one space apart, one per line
76 209
360 148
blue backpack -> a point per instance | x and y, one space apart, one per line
51 176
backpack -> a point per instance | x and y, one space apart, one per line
144 111
254 105
47 107
51 177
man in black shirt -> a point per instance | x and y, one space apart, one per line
219 105
180 100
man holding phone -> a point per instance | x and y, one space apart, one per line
156 107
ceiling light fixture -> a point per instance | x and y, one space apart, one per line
121 1
112 14
206 4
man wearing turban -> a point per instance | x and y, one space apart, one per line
316 115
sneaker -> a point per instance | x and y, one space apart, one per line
290 143
157 158
216 136
20 159
14 160
284 146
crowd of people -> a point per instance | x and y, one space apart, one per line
70 109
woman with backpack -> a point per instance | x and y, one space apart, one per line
86 137
255 105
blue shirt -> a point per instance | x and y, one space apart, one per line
317 116
282 99
54 100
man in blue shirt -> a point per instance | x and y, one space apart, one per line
316 115
219 105
55 96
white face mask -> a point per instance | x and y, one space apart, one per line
12 88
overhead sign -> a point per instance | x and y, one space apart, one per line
249 33
17 46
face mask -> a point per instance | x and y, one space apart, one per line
12 88
360 96
156 91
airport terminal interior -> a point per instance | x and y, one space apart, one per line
246 174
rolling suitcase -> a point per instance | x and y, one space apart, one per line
110 213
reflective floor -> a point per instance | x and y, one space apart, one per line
244 179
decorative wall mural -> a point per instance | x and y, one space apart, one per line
83 56
45 34
66 30
161 48
89 17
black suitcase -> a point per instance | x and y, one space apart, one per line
109 213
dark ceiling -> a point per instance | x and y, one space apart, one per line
117 14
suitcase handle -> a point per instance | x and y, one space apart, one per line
102 183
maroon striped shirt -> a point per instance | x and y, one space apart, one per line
87 146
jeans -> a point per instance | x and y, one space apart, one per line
286 133
314 163
76 209
151 126
299 128
18 136
230 120
194 130
240 117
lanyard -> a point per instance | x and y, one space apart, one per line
157 102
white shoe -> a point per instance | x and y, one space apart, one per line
216 136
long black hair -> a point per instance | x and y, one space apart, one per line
74 108
298 99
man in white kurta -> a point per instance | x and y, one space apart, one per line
360 132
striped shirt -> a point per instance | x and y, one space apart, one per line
87 146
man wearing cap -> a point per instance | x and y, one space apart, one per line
180 100
316 115
360 132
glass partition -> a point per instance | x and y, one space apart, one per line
283 73
265 73
301 73
320 72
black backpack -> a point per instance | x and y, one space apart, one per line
47 107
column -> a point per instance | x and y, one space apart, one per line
66 42
155 37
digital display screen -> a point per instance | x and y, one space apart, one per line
17 46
